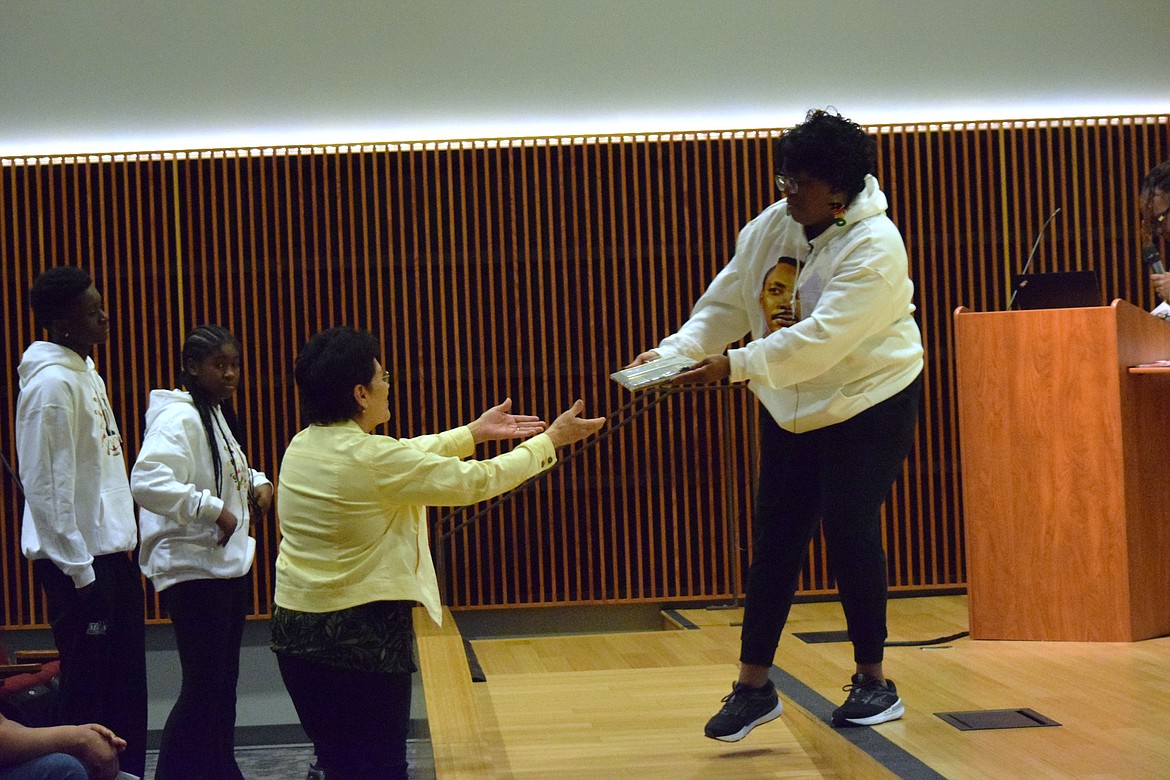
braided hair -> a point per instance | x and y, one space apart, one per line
201 343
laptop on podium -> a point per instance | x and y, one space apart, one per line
1057 290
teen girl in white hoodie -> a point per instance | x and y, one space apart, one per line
197 492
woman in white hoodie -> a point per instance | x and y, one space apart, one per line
197 494
838 371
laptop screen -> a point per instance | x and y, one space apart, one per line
1060 290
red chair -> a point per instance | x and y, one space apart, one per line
28 687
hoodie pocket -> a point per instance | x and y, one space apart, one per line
115 525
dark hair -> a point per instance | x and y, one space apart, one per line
200 344
55 291
830 148
331 364
1158 179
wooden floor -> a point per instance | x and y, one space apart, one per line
634 704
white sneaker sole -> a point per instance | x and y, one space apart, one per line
766 718
893 713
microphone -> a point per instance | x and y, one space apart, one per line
1031 256
1153 258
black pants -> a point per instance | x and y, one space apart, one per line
838 476
198 739
358 721
102 642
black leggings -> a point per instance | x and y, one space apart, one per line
199 737
358 721
838 476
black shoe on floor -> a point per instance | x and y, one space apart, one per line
870 702
744 709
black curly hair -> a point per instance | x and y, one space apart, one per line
830 148
328 368
55 291
1158 179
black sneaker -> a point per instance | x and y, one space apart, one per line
870 702
744 709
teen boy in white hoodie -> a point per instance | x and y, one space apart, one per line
79 527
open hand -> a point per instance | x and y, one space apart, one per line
499 423
570 427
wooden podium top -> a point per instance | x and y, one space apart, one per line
1159 367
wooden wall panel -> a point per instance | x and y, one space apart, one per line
530 269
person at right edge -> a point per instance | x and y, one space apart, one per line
840 379
1154 209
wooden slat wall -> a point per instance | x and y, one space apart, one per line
530 269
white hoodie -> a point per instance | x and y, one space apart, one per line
856 343
174 484
77 498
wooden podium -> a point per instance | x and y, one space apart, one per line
1066 491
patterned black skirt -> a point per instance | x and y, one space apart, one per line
373 637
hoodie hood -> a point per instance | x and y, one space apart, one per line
870 202
162 400
43 354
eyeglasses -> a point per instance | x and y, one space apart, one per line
787 184
386 377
